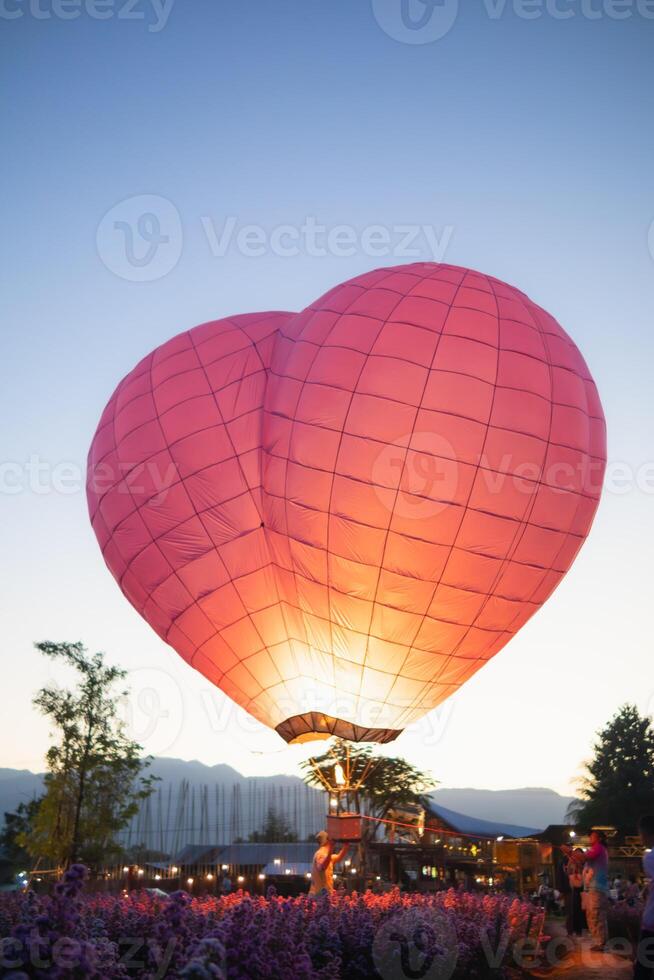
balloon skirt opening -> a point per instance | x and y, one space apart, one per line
314 726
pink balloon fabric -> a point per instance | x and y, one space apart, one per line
339 516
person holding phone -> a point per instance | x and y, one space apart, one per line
595 862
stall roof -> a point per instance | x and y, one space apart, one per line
473 825
295 868
264 854
244 854
199 854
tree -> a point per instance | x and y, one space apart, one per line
376 785
618 786
94 783
276 830
16 826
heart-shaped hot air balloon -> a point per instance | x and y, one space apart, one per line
339 516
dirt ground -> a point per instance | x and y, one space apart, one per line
578 963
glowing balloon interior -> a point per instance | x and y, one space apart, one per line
339 516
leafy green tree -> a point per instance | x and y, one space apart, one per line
16 825
94 783
374 786
618 786
275 830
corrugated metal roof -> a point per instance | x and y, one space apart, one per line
263 854
246 854
199 854
296 868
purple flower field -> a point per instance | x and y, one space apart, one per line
70 934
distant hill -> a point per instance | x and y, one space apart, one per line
18 786
514 812
485 828
198 774
529 807
21 785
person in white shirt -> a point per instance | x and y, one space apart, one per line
644 966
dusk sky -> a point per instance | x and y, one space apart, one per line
194 160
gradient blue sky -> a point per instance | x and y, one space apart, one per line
529 141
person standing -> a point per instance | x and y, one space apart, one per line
632 891
577 920
322 867
565 891
644 967
596 874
